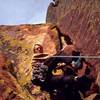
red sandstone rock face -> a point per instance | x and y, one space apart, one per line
43 34
10 89
8 85
17 42
79 19
2 60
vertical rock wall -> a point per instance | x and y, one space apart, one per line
80 20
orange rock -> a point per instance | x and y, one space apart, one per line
2 61
18 42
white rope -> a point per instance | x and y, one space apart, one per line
89 57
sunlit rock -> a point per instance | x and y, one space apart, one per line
18 43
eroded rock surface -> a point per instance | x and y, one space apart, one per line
80 20
17 43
